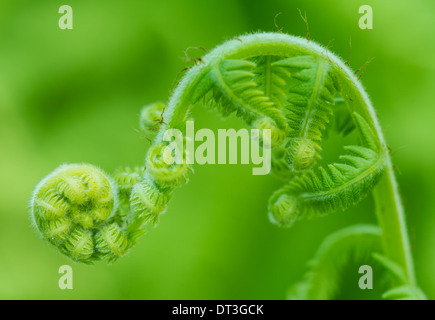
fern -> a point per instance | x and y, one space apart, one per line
272 81
309 108
235 90
403 289
325 190
352 244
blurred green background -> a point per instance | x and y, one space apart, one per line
75 95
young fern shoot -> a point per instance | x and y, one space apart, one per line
271 81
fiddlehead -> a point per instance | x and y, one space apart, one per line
75 209
271 81
151 117
164 174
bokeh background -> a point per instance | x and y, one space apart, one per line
75 95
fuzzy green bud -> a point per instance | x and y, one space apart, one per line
73 207
151 116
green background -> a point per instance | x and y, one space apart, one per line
74 96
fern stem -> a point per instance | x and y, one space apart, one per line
389 208
391 218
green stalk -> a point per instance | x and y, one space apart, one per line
391 219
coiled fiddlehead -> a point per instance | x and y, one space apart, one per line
74 208
272 81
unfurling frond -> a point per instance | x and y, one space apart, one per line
272 79
151 117
233 88
308 109
352 244
71 204
338 186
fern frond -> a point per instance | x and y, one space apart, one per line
393 268
325 190
352 244
272 79
403 289
234 89
322 191
309 107
366 133
405 292
355 244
